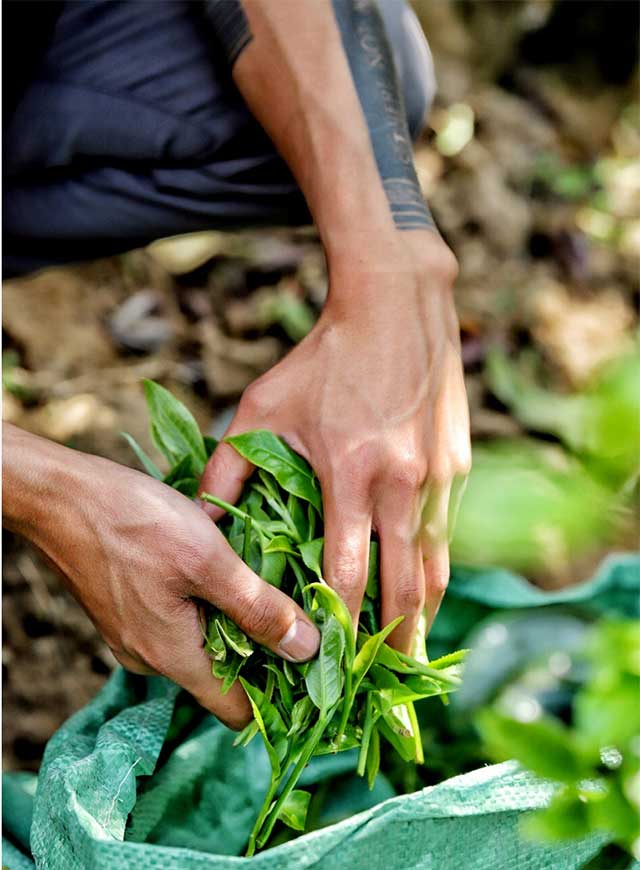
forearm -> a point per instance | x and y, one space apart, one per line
320 78
34 477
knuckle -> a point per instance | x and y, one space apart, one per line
409 595
252 402
349 471
438 581
262 619
344 569
445 265
404 468
464 463
190 561
406 474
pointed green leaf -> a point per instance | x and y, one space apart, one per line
293 812
280 544
367 653
325 677
284 689
272 568
334 604
301 714
187 486
265 450
234 637
148 464
272 728
311 552
373 758
183 468
173 428
454 658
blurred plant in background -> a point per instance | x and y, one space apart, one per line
541 508
590 742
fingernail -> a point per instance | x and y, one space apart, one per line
301 642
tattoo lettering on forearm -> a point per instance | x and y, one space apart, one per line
373 70
230 24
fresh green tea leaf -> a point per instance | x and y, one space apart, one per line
373 758
234 637
173 428
272 728
311 552
272 568
280 544
369 650
187 486
148 464
183 468
265 450
294 810
325 677
335 605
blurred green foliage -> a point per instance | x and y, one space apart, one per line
600 424
592 749
572 182
538 507
531 508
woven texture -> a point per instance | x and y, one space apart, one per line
107 798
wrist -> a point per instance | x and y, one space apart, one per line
371 267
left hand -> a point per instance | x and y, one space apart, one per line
374 399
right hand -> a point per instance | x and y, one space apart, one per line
139 556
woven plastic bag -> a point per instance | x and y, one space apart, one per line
111 796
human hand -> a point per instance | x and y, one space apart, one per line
139 556
374 399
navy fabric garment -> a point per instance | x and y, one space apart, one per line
132 129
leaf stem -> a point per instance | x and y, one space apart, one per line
417 737
264 811
304 758
229 508
348 701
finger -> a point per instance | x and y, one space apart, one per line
401 579
185 661
224 476
264 613
436 578
435 546
347 531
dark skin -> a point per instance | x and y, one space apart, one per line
374 399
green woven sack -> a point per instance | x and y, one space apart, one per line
111 795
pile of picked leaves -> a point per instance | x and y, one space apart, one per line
358 691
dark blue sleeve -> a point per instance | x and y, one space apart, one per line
230 24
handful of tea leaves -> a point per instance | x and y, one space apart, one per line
358 690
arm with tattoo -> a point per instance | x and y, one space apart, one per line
374 396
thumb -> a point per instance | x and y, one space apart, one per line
263 612
224 475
